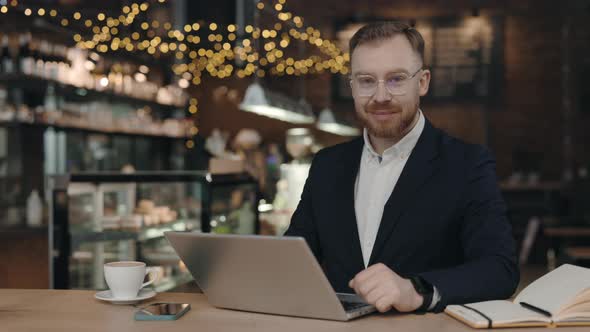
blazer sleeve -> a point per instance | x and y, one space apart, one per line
303 223
490 269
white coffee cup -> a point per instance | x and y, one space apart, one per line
125 279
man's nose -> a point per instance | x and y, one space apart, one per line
381 94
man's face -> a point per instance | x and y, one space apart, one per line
383 113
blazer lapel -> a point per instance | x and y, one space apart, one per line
345 211
420 166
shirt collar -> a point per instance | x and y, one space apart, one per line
403 147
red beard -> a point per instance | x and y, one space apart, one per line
387 120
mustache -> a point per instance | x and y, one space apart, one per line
389 108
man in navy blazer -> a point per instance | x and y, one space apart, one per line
406 216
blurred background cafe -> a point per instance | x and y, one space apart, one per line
121 119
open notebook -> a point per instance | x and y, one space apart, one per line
559 298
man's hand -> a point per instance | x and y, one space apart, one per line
380 286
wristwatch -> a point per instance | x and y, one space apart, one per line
425 289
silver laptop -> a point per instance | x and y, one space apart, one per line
267 274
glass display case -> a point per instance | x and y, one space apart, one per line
97 218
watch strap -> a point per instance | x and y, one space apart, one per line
425 289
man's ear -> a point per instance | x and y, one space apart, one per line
424 82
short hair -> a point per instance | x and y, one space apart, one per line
388 29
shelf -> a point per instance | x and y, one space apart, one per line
155 232
23 230
172 282
160 258
142 234
105 236
535 187
40 84
568 232
202 177
77 189
105 131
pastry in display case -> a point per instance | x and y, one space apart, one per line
98 218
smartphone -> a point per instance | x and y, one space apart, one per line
162 311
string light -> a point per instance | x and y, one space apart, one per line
276 39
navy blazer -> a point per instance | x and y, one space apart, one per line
444 221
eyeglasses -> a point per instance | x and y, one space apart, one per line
395 84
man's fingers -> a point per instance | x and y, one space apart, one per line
374 295
380 286
365 287
384 303
378 267
367 273
393 294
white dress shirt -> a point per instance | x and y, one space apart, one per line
377 177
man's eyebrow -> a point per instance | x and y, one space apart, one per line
362 73
393 71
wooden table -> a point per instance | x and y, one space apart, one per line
68 310
569 241
567 232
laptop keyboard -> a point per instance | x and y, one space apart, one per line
349 306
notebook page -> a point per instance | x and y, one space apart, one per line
582 310
555 290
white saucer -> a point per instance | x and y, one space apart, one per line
106 295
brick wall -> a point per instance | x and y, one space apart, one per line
530 118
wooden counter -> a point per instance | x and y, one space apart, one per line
68 310
25 258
